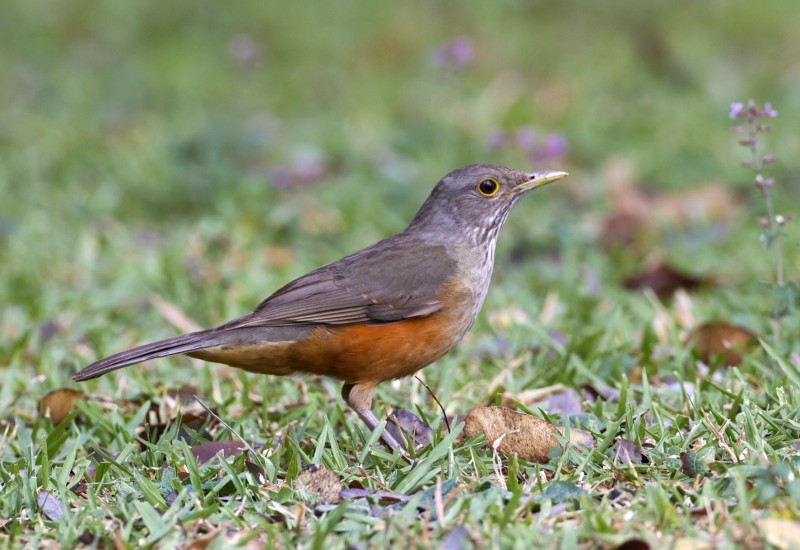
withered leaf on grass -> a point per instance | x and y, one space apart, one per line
403 425
664 280
207 451
457 539
634 544
188 421
58 404
627 452
560 490
528 437
50 506
320 485
382 496
725 340
692 464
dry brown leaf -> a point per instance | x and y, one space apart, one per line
403 424
58 404
528 437
638 210
664 279
319 483
188 421
206 451
625 229
627 452
731 342
50 506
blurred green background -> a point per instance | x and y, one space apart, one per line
209 152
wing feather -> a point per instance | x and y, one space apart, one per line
361 288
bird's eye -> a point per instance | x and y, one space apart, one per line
488 187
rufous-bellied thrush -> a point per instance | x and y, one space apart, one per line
379 314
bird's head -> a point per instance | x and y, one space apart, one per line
473 202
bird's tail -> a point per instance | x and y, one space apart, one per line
171 346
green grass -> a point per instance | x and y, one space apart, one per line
139 159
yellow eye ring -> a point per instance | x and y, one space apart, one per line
488 187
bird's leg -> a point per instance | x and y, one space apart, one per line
359 397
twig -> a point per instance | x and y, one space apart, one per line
444 414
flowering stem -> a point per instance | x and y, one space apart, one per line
757 164
773 234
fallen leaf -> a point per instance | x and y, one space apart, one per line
595 391
320 485
779 532
58 404
50 506
627 452
559 491
382 496
256 471
625 229
528 437
731 342
189 421
207 451
620 496
692 464
634 544
663 280
403 424
456 539
563 403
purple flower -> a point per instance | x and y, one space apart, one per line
737 110
457 53
763 183
553 147
525 138
461 51
496 139
769 111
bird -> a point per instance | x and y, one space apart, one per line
379 314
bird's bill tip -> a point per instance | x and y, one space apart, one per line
542 178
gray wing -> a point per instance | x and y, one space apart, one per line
380 284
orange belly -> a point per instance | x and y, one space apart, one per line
356 354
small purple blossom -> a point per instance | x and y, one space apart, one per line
525 138
554 147
763 183
757 161
458 53
752 111
737 110
496 139
538 150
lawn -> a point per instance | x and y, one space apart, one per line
169 165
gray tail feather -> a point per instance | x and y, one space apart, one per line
163 348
